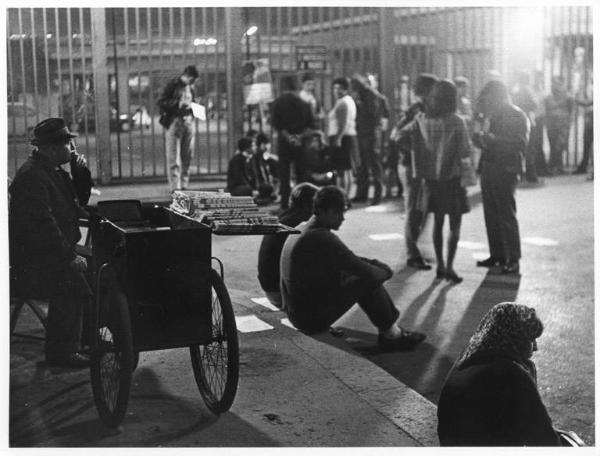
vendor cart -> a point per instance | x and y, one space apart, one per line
155 288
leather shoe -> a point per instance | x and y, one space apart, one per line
511 267
74 360
358 199
407 341
490 262
453 277
418 263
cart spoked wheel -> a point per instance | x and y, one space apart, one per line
216 364
111 355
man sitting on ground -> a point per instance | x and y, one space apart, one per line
321 279
269 253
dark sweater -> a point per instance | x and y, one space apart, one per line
269 253
493 403
314 265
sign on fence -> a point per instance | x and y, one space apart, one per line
312 57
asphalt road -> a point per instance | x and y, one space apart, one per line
557 278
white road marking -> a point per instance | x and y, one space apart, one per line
377 209
265 303
288 323
471 245
251 323
385 236
480 256
544 242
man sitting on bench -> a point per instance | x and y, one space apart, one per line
321 278
45 207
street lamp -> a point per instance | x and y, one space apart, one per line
247 34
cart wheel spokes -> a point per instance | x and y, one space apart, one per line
111 360
216 364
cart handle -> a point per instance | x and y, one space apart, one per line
222 271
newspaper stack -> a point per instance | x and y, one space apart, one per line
225 213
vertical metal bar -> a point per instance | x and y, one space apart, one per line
183 41
35 68
161 41
47 62
127 70
139 79
280 37
83 73
103 154
116 76
11 84
70 61
172 36
58 62
233 74
150 105
218 89
23 76
207 87
193 12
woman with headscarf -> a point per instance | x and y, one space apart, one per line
441 145
490 397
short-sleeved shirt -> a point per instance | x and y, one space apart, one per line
350 126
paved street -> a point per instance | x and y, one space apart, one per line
325 391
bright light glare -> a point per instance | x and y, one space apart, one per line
251 30
205 41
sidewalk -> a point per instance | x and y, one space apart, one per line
294 390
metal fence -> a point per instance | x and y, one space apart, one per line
103 69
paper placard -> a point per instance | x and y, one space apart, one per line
199 111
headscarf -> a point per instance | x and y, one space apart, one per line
506 331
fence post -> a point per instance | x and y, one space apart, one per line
386 57
101 96
233 74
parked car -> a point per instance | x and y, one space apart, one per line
21 119
120 122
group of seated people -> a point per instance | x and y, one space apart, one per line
252 171
490 397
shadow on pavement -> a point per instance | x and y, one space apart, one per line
54 407
425 368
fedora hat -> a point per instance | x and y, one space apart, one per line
51 131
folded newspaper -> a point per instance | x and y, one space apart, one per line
225 213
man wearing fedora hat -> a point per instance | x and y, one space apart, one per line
45 207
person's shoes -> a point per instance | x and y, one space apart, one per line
358 199
580 171
512 267
453 277
418 263
74 360
489 262
407 341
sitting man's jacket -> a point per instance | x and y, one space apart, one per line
44 217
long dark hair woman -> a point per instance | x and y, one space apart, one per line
442 147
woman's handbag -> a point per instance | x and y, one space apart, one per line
468 177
